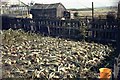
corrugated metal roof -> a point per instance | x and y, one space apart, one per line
45 6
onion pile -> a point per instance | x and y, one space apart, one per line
29 55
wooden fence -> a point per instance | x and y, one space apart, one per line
52 27
117 68
104 31
98 30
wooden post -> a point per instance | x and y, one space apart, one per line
48 29
118 13
92 11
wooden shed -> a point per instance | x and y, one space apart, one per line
55 10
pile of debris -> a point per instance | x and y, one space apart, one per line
29 55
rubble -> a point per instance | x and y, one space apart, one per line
30 55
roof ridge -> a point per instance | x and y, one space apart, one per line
45 3
46 6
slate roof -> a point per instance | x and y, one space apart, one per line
46 6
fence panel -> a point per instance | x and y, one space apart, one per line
117 68
101 30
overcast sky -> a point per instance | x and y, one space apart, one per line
74 3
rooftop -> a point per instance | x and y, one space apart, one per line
46 6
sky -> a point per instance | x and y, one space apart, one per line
74 3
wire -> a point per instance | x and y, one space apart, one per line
23 3
85 5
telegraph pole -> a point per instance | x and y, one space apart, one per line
1 8
118 13
92 11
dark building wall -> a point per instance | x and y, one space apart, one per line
43 12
